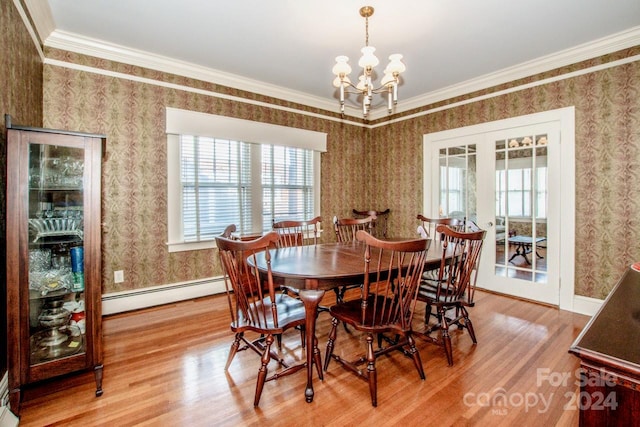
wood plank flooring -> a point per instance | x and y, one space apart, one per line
164 367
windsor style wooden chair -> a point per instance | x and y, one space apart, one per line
461 251
256 308
392 271
297 233
380 222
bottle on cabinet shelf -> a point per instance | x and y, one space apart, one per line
77 268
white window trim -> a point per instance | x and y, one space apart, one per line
202 124
184 122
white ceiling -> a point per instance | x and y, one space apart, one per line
286 48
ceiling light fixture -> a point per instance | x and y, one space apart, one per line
368 61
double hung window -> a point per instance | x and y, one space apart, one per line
216 181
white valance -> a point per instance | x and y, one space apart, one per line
185 122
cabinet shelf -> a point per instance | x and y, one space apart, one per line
35 295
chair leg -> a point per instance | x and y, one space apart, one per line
234 349
371 371
317 359
469 326
446 338
415 354
303 337
427 314
460 325
262 372
330 342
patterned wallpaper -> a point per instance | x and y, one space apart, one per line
132 115
607 220
378 168
20 97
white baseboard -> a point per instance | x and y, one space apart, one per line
586 305
7 418
119 302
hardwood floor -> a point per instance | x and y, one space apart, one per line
164 366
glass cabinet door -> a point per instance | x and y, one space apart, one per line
56 252
53 256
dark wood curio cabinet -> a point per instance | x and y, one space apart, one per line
54 314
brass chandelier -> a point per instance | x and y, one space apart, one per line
368 61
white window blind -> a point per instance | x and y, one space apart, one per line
223 171
287 184
216 185
216 176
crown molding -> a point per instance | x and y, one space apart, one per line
113 52
40 13
29 27
613 43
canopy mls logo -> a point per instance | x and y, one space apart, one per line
582 378
501 401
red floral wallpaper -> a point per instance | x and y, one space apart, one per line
365 168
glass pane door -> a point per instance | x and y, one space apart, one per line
503 181
457 192
56 255
521 182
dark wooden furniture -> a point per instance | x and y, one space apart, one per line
455 278
427 229
229 231
54 278
254 308
609 352
297 233
524 245
346 228
429 226
315 269
392 272
380 223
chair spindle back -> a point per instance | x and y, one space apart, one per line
245 291
393 270
428 226
346 228
379 224
461 251
297 233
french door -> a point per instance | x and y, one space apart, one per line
505 176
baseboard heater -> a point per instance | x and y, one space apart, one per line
119 302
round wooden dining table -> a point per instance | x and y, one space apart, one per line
314 269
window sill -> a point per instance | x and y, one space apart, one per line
191 246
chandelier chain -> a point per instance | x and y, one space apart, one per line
366 31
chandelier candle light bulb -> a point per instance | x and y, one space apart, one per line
368 62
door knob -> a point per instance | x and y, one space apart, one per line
489 224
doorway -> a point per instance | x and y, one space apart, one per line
514 178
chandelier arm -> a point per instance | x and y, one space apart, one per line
380 89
